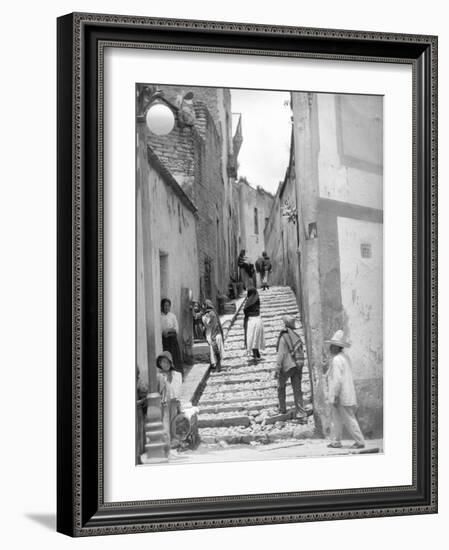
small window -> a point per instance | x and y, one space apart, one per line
256 221
365 250
313 231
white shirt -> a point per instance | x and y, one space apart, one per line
340 382
169 322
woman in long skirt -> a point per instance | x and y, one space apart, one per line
214 335
169 326
254 333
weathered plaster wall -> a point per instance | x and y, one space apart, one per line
251 198
172 228
224 107
290 233
343 176
214 103
282 235
273 242
362 304
350 210
306 137
209 198
333 184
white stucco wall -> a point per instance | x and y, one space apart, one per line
337 180
362 294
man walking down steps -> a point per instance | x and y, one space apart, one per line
290 363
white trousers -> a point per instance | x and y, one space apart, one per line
344 416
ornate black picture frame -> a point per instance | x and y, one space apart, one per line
81 510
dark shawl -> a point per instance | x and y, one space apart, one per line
252 305
241 259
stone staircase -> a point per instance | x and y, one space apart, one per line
239 404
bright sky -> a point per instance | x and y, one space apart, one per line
266 129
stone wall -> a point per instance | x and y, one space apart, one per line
209 197
196 157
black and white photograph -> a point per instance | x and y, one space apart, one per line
220 275
259 274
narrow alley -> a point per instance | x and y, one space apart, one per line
305 229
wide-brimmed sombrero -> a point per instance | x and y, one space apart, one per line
338 339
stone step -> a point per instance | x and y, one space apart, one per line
259 395
278 300
268 305
243 406
226 419
240 344
274 318
233 378
278 304
236 364
230 354
268 324
239 336
239 403
270 394
223 420
277 291
240 387
275 311
259 434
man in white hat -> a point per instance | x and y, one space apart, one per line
341 394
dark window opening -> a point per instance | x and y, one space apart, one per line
365 250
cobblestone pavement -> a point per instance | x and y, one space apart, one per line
288 448
239 404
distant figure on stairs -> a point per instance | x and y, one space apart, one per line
246 269
214 335
266 269
198 327
253 326
259 268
